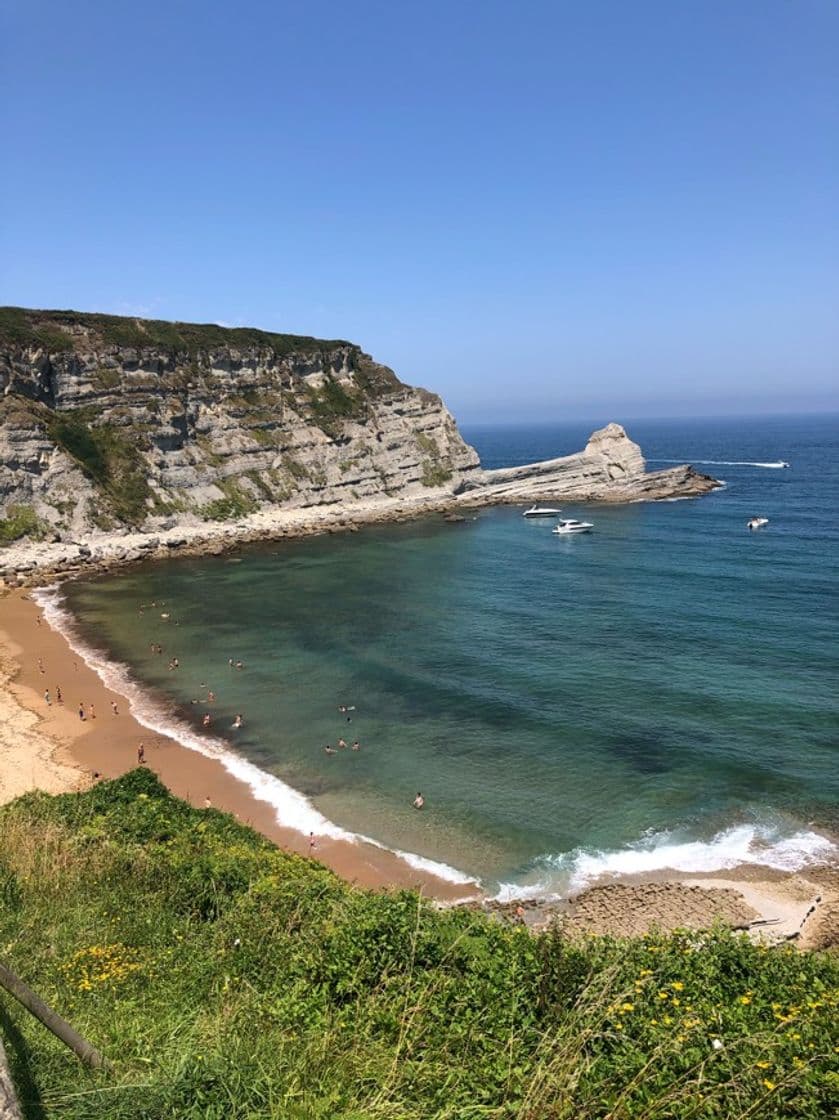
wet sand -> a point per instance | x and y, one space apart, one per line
107 745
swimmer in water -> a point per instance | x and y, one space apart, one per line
356 745
206 721
329 750
342 743
237 722
419 801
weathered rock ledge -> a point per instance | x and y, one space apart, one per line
610 468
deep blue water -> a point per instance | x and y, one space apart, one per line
660 692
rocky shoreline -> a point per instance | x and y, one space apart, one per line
610 469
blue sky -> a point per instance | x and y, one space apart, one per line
539 210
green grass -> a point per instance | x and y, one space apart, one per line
226 979
21 326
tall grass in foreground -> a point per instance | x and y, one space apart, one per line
226 979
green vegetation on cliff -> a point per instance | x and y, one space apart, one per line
65 330
226 979
109 456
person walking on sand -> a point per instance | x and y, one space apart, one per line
114 707
311 842
47 697
419 801
141 754
81 712
92 712
59 698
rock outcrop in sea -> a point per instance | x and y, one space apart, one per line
178 433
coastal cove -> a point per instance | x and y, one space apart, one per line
710 788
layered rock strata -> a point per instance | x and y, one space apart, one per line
122 438
610 468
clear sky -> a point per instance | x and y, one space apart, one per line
539 210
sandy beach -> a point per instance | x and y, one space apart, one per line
48 746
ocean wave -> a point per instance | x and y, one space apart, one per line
759 844
520 892
777 465
292 809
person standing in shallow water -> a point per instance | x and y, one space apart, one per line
419 801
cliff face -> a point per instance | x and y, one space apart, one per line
108 422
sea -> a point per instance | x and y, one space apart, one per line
659 693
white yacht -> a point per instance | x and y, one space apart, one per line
568 526
541 511
757 522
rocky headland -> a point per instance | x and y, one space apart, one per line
126 438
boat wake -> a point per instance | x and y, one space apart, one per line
777 465
291 808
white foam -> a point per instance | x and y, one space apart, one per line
291 808
746 843
515 892
779 464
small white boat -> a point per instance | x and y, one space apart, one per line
541 511
568 526
757 522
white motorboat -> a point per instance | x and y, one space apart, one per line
568 526
757 522
541 511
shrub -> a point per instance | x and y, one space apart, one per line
20 521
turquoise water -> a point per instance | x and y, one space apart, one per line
660 692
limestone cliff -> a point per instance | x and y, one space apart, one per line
109 422
119 437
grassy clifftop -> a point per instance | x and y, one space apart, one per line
224 978
63 330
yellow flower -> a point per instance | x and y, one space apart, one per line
676 1001
745 1000
654 1023
763 1065
677 986
627 1007
646 972
664 995
770 1085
